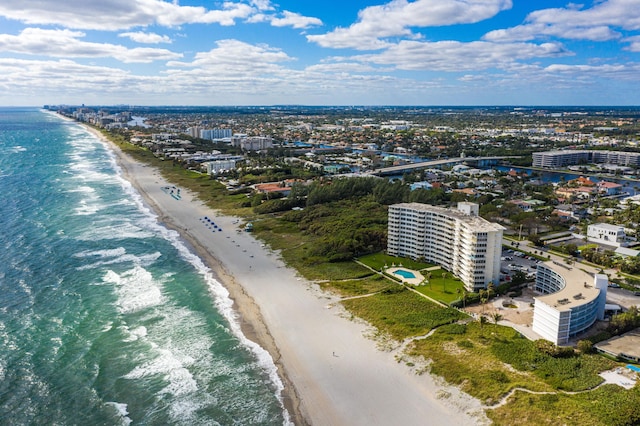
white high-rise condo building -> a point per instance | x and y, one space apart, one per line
458 240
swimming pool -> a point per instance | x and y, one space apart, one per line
633 368
404 273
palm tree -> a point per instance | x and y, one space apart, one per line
496 317
444 281
483 321
427 277
483 298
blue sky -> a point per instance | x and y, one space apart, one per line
320 52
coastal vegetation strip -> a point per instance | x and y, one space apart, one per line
488 361
485 360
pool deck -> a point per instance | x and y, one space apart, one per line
418 277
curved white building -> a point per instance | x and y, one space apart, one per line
458 240
572 301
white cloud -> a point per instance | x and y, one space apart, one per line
121 14
66 44
455 56
634 43
630 72
34 78
262 4
234 57
148 38
375 23
295 20
596 23
342 67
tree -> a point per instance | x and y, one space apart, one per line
585 346
483 320
444 281
491 289
496 317
483 298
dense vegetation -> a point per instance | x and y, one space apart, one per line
488 361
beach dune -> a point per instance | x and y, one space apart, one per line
333 374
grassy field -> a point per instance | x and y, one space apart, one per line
401 313
489 361
359 287
609 405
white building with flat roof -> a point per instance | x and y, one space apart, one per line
570 157
572 300
607 234
457 239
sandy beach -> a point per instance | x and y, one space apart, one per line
333 373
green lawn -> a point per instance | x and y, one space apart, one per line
401 313
444 290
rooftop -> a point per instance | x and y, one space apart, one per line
478 223
627 344
579 287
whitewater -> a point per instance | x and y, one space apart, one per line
106 317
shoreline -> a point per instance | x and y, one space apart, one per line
332 373
247 311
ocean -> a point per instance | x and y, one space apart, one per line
106 317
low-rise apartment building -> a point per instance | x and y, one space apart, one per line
572 300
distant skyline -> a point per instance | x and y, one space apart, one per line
356 52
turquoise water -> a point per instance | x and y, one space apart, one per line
404 273
106 318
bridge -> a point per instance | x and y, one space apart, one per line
396 170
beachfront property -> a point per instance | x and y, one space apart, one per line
457 239
572 300
564 158
221 163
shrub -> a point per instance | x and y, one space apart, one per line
453 328
585 346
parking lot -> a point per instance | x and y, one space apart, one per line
513 261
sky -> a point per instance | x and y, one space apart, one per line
319 52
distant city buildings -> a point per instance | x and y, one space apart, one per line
561 159
251 143
213 134
456 239
222 163
209 134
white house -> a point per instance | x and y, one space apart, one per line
607 234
